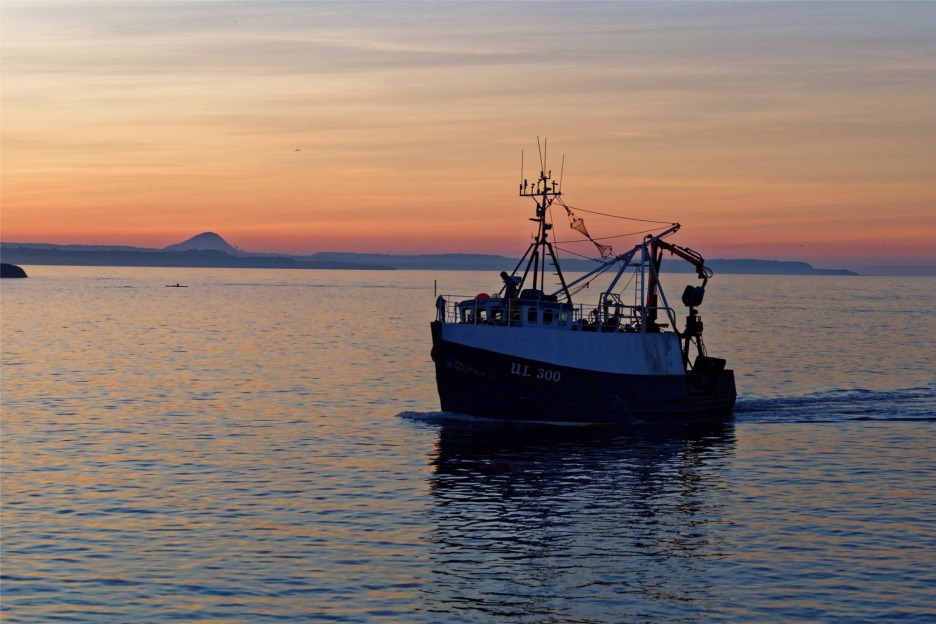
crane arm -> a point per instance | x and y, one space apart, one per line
689 255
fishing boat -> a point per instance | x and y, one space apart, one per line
530 352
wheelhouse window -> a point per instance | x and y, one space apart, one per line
474 314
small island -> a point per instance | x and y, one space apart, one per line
11 270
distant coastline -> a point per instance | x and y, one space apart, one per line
42 254
206 258
212 251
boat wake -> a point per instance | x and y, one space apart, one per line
911 404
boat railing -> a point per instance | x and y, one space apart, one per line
629 318
614 317
464 309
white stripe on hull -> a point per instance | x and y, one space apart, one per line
632 354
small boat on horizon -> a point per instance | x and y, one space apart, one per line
530 353
176 286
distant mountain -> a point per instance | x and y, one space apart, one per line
204 250
212 258
206 241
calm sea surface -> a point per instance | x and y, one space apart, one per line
266 446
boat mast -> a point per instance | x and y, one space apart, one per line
544 192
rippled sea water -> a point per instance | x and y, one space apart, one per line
266 446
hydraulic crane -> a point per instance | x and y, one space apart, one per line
692 295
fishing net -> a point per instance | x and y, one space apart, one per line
578 224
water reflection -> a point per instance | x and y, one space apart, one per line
574 524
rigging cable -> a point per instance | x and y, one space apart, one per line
584 240
572 253
604 214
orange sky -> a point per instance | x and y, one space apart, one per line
799 131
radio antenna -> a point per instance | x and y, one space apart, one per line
521 168
561 171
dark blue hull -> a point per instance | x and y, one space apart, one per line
485 383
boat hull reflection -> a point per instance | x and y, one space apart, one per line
529 518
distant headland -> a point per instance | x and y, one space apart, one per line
11 270
209 249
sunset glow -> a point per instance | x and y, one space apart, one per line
799 131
